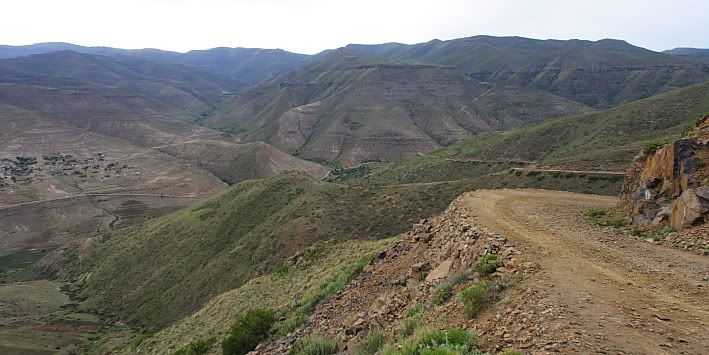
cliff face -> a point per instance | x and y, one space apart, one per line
671 185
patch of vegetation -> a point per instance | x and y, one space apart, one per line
475 297
316 295
442 294
652 235
16 262
429 342
668 229
605 218
248 331
197 347
372 343
488 263
416 310
445 290
652 146
315 344
510 351
409 325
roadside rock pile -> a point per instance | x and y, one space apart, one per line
404 278
671 185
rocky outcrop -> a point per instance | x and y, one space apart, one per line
407 274
671 185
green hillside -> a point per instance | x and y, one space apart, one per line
156 273
600 73
605 139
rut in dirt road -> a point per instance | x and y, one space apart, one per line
623 295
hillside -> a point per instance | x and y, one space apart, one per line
605 139
168 267
689 52
237 68
347 109
600 74
232 162
49 169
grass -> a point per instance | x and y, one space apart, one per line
335 258
428 341
183 259
315 344
248 331
16 262
652 146
653 235
475 297
488 263
197 347
445 290
605 218
603 139
372 343
442 294
317 294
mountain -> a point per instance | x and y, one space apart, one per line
600 73
347 109
605 139
689 52
238 68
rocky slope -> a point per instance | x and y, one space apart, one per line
405 277
671 184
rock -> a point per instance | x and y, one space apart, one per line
440 272
688 210
666 186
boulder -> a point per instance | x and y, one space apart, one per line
440 272
689 209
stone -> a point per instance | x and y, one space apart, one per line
440 272
688 210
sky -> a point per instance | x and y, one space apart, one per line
310 26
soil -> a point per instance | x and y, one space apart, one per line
620 294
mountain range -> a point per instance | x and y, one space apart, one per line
167 193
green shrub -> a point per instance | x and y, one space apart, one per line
434 342
410 325
595 213
197 347
668 230
653 146
315 344
442 294
416 310
248 331
488 263
143 337
476 296
371 344
617 222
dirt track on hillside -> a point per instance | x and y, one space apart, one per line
623 295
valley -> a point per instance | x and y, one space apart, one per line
480 195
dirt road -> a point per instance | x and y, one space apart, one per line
623 295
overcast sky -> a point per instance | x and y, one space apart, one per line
309 26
